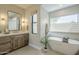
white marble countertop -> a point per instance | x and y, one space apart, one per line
2 34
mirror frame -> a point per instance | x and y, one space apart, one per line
19 21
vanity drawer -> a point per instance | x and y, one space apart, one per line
4 39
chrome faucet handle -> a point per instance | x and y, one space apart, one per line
65 39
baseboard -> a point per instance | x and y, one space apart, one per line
34 46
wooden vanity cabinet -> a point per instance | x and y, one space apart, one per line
26 39
20 41
5 45
13 42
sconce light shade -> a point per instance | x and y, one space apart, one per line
3 19
23 21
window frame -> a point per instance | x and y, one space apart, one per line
34 23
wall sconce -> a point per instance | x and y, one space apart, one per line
23 22
3 19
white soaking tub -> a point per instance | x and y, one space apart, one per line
69 48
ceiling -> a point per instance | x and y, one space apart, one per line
53 7
24 6
48 7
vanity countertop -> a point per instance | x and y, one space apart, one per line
2 34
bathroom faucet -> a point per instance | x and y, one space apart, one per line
65 39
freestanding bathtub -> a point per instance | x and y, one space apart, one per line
70 48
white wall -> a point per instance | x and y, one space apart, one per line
44 19
34 39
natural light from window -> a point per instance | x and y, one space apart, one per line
64 23
65 19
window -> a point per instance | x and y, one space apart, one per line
63 23
14 22
34 23
65 19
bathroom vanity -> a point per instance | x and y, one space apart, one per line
13 28
13 41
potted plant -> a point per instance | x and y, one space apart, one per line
44 40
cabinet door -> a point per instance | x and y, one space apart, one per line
26 39
5 45
5 48
21 41
15 42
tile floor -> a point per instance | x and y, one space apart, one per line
31 51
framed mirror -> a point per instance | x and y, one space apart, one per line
14 21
